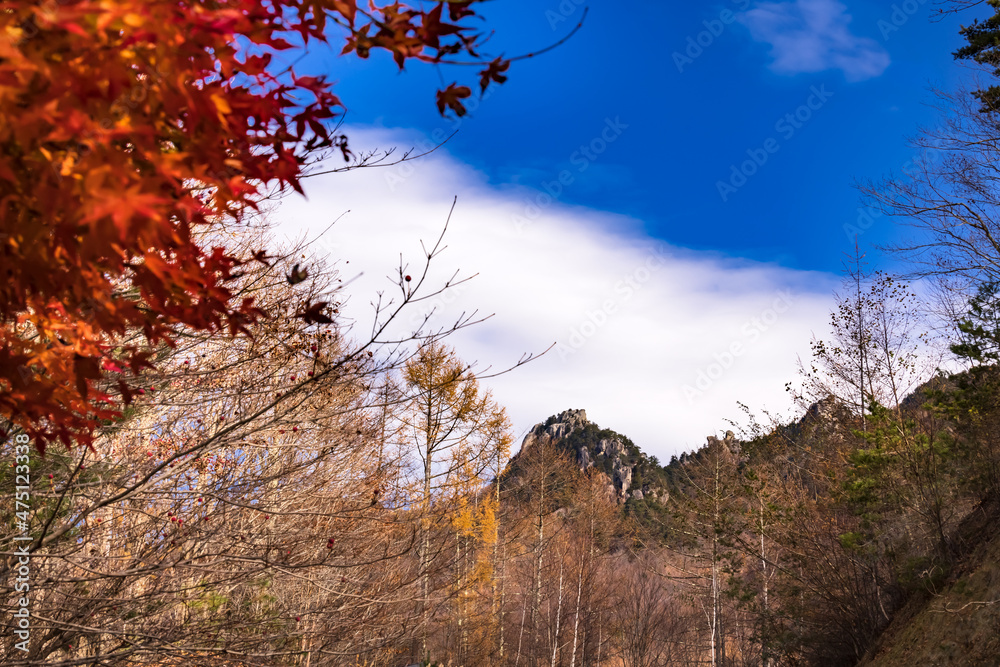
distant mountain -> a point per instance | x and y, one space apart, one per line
631 474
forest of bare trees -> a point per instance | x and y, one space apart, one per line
306 495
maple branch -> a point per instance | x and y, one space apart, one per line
531 54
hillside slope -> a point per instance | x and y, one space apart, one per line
958 625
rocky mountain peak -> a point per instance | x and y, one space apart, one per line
556 428
631 474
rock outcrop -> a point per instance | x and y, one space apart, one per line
554 431
630 473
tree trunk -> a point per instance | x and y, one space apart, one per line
576 619
555 639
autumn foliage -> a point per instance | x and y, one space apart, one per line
128 130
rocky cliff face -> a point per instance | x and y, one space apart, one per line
631 474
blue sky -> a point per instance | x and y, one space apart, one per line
686 129
642 127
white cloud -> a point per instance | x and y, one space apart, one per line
557 277
812 36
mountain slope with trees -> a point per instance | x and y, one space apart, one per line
956 622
